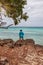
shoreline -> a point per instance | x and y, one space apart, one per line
11 41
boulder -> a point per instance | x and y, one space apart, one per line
38 47
29 41
10 45
25 42
1 42
19 42
8 41
3 60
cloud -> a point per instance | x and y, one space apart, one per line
34 8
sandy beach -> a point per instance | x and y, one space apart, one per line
21 52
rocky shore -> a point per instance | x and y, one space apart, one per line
21 52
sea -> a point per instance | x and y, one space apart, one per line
35 33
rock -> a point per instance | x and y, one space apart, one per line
19 43
29 41
24 42
3 61
38 47
1 42
8 41
25 52
10 45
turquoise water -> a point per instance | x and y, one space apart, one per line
35 33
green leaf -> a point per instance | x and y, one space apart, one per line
14 9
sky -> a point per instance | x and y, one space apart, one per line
34 9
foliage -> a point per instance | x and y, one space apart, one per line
14 9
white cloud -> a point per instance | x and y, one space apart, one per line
34 8
35 12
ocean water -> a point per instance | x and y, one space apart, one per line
35 33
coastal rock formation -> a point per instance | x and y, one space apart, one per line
24 52
7 42
25 42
